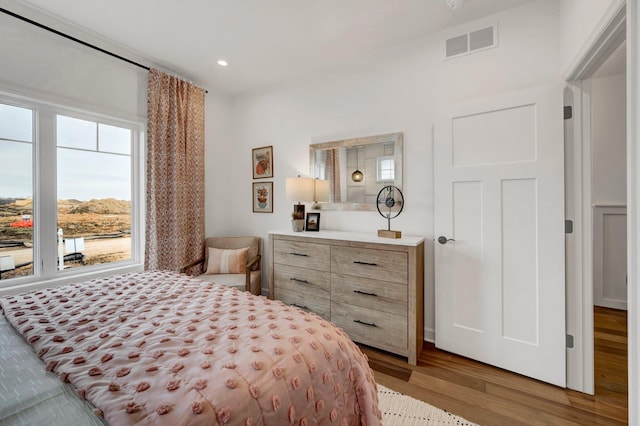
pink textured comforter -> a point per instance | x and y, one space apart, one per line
163 348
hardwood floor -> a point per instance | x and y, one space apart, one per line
491 396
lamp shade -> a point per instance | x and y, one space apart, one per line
299 189
322 191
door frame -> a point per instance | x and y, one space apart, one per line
578 247
633 206
619 23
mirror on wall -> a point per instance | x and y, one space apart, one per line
357 169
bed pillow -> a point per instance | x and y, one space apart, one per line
223 261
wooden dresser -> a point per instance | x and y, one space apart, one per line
371 287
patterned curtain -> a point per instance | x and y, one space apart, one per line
332 173
175 172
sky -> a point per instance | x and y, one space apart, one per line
85 170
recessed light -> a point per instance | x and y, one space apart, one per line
222 63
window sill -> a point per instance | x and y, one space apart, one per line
62 279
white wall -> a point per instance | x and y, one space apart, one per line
218 169
580 20
402 91
609 140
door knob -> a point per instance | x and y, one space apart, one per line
444 240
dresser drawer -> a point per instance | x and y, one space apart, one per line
319 305
370 287
303 280
383 265
374 328
302 254
370 294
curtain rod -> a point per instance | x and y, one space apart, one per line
77 40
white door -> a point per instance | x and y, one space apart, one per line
499 193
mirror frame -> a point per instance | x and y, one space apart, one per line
396 138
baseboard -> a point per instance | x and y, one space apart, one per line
429 335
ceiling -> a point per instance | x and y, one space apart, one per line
264 41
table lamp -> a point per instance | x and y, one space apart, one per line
299 190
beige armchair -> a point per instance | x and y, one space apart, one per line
251 280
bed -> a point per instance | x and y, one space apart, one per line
163 348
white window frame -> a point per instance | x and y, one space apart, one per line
379 161
44 163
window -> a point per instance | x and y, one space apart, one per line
94 192
68 191
16 191
385 169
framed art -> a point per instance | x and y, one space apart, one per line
262 162
262 194
313 222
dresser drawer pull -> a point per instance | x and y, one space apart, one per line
370 324
300 306
365 293
299 254
358 262
298 280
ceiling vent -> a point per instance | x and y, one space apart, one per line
484 38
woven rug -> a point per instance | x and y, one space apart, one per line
402 410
